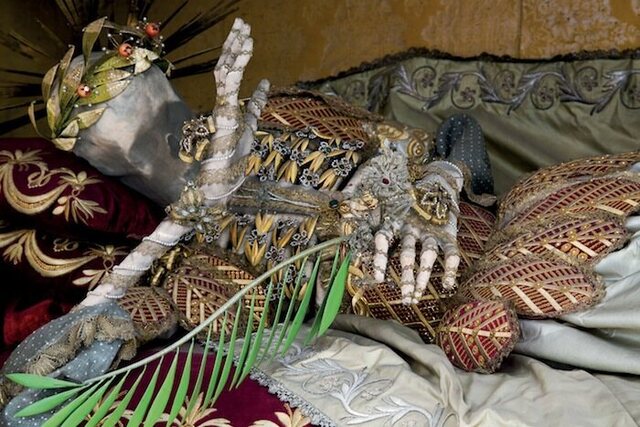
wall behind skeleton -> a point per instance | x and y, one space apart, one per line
311 39
308 39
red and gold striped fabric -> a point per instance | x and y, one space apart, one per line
476 336
615 195
203 282
307 112
576 240
538 288
563 172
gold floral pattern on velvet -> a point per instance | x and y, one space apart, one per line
26 244
70 205
201 416
290 418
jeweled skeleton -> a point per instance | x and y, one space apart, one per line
362 178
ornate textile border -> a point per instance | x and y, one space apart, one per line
497 80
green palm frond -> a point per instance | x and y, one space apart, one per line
76 401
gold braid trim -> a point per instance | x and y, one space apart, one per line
84 334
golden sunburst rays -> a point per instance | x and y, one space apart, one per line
56 25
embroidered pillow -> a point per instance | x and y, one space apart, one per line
538 288
616 195
202 281
53 189
573 239
384 301
562 173
477 336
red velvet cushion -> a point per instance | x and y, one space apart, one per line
477 336
45 275
56 190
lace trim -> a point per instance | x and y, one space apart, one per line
95 328
276 388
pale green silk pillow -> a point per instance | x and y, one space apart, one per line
533 113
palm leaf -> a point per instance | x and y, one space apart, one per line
151 406
78 416
245 367
224 375
106 405
59 417
183 387
334 297
302 311
48 403
273 333
115 416
246 343
161 399
145 400
39 382
315 327
216 367
287 319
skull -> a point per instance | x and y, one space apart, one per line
137 138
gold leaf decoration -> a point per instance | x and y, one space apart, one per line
91 34
89 118
104 93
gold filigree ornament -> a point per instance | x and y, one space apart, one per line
191 210
195 138
433 203
67 90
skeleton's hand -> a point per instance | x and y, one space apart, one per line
428 217
222 169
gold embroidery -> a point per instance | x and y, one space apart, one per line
21 244
71 206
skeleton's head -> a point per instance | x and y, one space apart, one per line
137 137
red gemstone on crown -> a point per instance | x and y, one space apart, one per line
83 91
125 50
152 29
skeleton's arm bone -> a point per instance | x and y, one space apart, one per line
237 51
